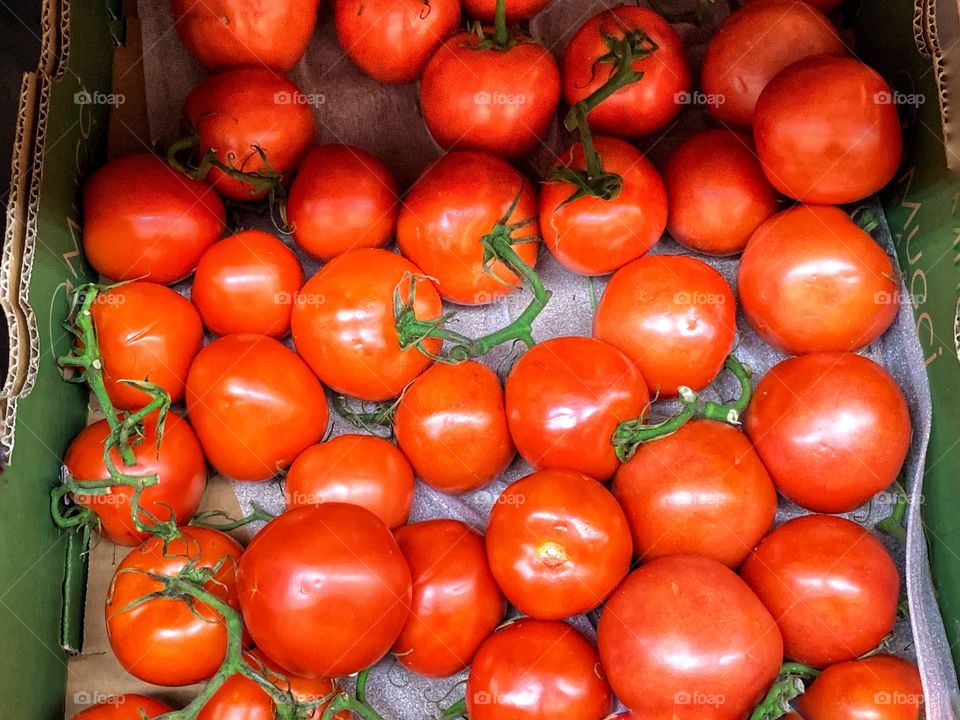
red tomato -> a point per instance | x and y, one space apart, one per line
166 641
674 316
343 198
456 602
311 607
717 192
358 469
644 106
537 670
699 491
124 707
827 131
817 259
344 327
564 399
254 404
683 637
232 33
558 544
755 43
454 203
831 585
451 423
392 40
143 219
145 332
517 10
238 111
833 429
246 284
881 687
593 236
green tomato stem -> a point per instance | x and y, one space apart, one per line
788 685
203 519
358 704
457 710
892 525
500 35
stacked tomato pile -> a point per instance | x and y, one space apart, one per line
654 519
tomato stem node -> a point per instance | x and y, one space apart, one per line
788 685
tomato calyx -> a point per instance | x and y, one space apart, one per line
892 524
357 705
788 686
500 39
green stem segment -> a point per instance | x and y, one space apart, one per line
500 35
788 685
457 710
357 705
892 525
203 519
373 421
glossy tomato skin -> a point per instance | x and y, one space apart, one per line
684 637
674 316
517 10
391 40
453 204
851 107
537 670
456 601
124 707
311 607
831 585
755 43
593 236
144 220
233 33
642 107
452 425
341 199
145 332
497 100
700 491
717 194
236 111
163 641
564 399
818 259
558 544
882 687
343 323
358 469
833 429
254 404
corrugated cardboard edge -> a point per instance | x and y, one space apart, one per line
933 20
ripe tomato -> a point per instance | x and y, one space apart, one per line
755 43
237 112
883 687
851 108
342 198
537 670
358 469
817 259
517 10
593 236
699 491
311 607
451 423
246 284
233 33
500 99
143 219
453 204
717 192
683 637
564 399
831 585
145 332
674 316
168 641
124 707
558 544
254 404
344 327
456 602
644 106
832 429
392 40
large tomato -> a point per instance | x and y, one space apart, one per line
315 609
453 204
564 399
833 429
683 637
124 707
144 220
517 10
254 404
344 327
831 585
170 641
882 687
456 602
